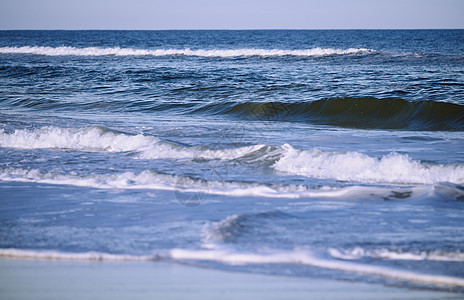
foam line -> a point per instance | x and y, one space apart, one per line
297 257
225 53
151 180
358 253
306 258
57 255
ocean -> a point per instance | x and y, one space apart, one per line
316 153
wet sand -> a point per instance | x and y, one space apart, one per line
50 279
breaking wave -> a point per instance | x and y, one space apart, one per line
152 180
100 139
351 166
358 253
358 167
225 53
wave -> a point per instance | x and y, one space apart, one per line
358 253
364 113
149 179
352 166
86 139
302 257
296 257
225 53
230 228
100 139
358 167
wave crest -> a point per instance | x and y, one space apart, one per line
358 167
353 166
358 253
100 139
225 53
87 139
149 179
365 113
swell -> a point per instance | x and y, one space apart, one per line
347 112
364 113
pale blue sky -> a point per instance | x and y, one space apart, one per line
233 14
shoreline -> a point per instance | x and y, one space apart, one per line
64 279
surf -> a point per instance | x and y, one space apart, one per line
223 53
350 166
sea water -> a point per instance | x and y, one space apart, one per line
328 154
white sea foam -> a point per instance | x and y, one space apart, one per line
57 255
345 166
303 257
297 257
358 253
95 51
100 139
151 180
86 139
358 167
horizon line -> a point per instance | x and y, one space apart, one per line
221 29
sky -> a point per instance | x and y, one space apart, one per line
232 14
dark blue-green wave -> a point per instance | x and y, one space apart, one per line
367 113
